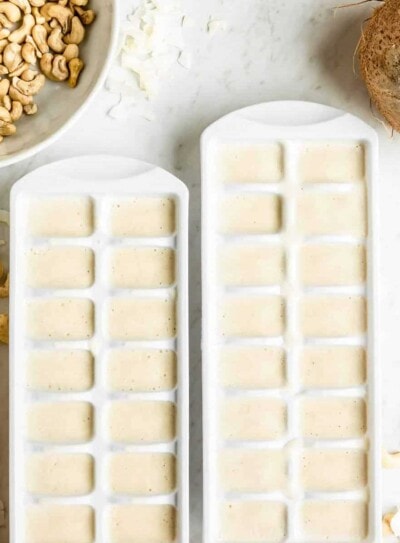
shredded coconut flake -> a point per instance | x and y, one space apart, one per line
152 43
395 523
216 25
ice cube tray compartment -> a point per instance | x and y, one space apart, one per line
290 367
99 353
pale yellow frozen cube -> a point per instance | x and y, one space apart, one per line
252 265
332 162
257 163
333 418
142 370
142 267
61 217
336 521
333 470
142 318
253 419
142 422
255 521
333 367
139 523
61 422
252 316
60 319
251 214
333 316
60 370
333 213
260 470
60 267
60 474
143 217
60 523
333 264
253 367
142 473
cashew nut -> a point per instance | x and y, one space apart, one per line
5 115
77 32
7 102
7 129
39 36
40 20
86 16
19 69
28 53
28 75
46 64
11 11
37 3
55 40
4 86
71 51
29 88
60 68
23 5
5 22
16 95
3 70
30 109
56 11
4 33
19 35
3 45
4 328
16 111
12 56
30 40
75 67
78 2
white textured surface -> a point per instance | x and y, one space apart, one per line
272 49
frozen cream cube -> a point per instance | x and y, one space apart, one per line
143 217
139 523
59 474
257 163
142 422
333 316
333 213
333 367
251 214
252 265
336 521
144 370
253 316
253 419
56 523
333 264
333 418
333 470
61 422
142 473
142 318
60 267
142 267
253 367
256 521
332 162
59 319
60 370
260 470
61 217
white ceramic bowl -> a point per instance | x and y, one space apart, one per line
59 105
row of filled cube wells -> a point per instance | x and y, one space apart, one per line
77 217
329 162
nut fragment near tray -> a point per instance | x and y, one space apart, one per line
99 354
290 367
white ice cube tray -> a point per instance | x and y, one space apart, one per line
249 157
102 181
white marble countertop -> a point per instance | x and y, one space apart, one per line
291 49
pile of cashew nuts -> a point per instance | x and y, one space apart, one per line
39 39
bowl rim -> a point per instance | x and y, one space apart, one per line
23 154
